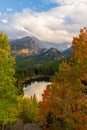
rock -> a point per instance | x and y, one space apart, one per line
32 126
19 125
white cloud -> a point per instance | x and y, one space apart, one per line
9 9
59 24
4 21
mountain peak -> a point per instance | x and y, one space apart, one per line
25 45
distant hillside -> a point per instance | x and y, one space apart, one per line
52 53
60 46
46 56
68 52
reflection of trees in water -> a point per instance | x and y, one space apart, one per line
35 88
39 79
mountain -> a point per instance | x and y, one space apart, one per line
40 43
52 53
24 46
29 51
33 43
60 46
68 52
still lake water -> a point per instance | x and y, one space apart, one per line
37 88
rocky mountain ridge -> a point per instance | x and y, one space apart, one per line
31 45
28 52
24 46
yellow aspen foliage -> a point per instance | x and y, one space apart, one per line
8 91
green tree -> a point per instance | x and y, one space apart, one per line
28 109
8 91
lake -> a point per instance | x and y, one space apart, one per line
37 88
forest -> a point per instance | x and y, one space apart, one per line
64 102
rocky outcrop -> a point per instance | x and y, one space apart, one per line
19 125
32 126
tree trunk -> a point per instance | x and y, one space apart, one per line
2 127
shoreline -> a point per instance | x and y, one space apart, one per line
36 78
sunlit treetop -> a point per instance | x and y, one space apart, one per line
79 46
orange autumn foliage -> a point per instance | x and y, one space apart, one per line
79 46
65 98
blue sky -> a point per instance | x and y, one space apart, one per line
49 20
19 5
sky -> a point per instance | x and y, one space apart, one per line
48 20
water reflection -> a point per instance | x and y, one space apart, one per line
36 88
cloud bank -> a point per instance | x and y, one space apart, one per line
59 24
